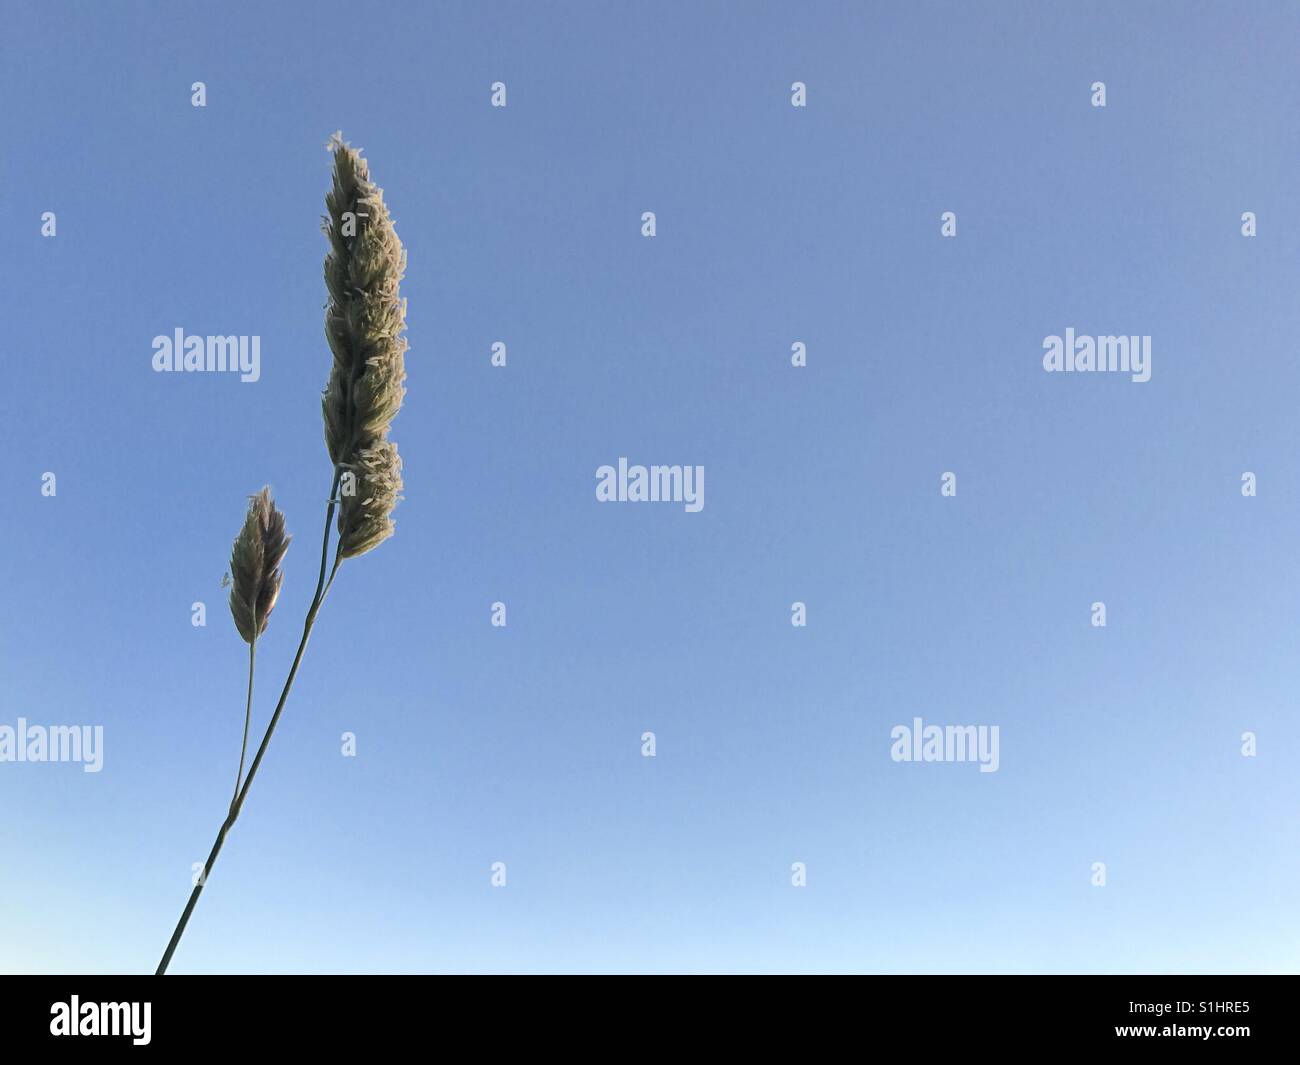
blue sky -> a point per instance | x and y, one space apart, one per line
775 224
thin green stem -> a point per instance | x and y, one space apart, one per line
338 561
238 804
248 712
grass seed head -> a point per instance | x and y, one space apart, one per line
364 321
255 566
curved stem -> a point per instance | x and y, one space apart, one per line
240 798
248 717
338 561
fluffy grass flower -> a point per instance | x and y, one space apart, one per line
255 566
365 519
364 321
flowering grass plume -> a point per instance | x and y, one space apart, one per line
364 320
255 566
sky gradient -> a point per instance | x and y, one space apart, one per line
775 224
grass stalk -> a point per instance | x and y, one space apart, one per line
248 719
238 804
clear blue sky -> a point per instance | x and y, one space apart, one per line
775 225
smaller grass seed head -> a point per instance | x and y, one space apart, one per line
255 566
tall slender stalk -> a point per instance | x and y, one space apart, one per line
238 804
248 719
364 321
